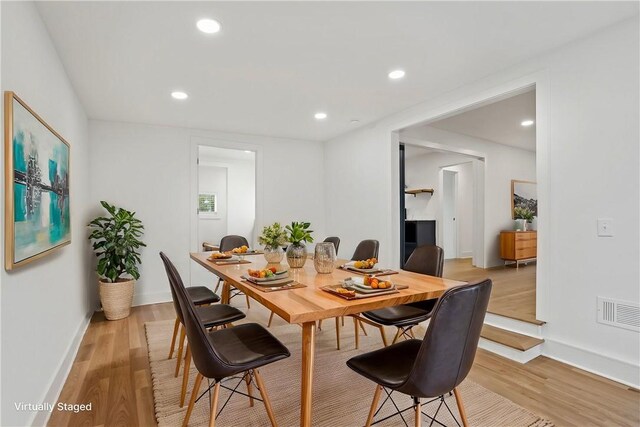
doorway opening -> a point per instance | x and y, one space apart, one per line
226 197
495 143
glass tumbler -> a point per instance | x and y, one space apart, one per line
324 258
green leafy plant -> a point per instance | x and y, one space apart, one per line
298 232
522 212
116 244
273 236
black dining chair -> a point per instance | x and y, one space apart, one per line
366 249
428 260
225 353
436 365
212 316
228 243
335 241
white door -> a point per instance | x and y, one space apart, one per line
450 228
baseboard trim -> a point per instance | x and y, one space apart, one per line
153 298
56 384
615 369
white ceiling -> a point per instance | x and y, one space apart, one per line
275 64
498 122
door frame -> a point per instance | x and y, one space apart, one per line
457 103
194 143
456 246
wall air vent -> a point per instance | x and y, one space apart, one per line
623 314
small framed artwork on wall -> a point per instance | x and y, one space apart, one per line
37 208
524 194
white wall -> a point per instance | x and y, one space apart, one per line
213 179
45 304
587 123
502 164
423 171
154 176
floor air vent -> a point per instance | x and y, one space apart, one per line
623 314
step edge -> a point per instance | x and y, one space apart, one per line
523 348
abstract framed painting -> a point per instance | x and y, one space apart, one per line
524 194
37 209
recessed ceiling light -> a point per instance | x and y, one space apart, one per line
179 95
248 151
320 116
396 74
527 123
209 26
354 122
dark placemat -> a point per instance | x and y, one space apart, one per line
292 285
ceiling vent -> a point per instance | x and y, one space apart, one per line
623 314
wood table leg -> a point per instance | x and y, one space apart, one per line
226 292
308 350
338 333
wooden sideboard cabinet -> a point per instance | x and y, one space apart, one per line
518 246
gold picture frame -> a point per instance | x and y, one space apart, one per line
37 186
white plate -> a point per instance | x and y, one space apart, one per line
357 284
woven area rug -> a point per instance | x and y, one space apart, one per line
341 398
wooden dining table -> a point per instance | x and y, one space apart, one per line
309 304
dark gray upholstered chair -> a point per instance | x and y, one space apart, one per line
226 353
428 260
366 249
335 241
436 365
228 243
212 316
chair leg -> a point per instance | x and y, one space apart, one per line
176 326
374 404
265 397
247 379
338 333
342 317
180 348
463 414
270 319
319 327
217 286
384 337
355 325
418 412
214 404
185 375
411 333
397 336
363 329
247 298
192 400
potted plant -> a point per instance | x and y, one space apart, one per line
116 244
298 234
522 215
273 237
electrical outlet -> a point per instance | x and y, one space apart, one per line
605 227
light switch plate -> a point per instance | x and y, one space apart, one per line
605 227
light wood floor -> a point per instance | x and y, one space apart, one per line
514 290
111 370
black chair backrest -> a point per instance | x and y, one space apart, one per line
231 242
450 344
205 358
171 271
365 250
427 259
335 241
